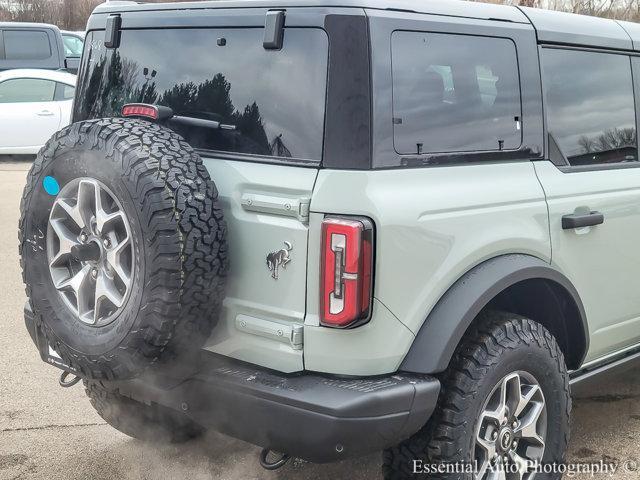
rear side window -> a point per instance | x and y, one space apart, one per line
26 45
64 92
275 99
454 93
19 90
590 106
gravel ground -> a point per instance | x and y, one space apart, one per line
50 432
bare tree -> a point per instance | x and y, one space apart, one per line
66 14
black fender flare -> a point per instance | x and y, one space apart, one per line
447 322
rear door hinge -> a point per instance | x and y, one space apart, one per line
276 205
291 334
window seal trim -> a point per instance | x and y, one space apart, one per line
596 167
563 46
264 159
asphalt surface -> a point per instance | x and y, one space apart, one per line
53 433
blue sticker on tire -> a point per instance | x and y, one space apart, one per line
51 185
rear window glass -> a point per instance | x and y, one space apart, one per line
26 45
275 99
454 93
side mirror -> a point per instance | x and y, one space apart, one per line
72 64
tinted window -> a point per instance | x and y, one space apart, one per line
20 90
275 99
72 45
590 106
26 45
454 93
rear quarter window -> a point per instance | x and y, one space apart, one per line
454 93
275 99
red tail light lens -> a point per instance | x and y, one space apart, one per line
346 271
140 110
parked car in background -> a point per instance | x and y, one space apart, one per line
34 104
73 44
34 45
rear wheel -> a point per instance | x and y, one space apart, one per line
505 401
151 423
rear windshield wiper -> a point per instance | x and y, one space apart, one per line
201 123
160 113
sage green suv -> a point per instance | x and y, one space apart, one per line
331 228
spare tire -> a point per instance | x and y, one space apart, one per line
122 246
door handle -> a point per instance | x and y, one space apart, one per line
45 113
577 220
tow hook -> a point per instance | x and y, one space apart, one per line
64 383
280 461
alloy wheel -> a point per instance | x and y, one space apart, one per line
511 432
89 250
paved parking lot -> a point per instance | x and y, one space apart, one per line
53 433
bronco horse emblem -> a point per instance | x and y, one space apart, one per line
279 259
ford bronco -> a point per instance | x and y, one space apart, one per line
336 227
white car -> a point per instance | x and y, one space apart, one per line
34 104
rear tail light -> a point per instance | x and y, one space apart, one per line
346 271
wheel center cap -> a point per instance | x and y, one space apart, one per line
505 439
90 251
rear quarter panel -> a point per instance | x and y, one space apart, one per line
432 226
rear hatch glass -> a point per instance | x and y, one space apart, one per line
264 169
275 99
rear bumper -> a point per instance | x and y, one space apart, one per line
318 418
315 417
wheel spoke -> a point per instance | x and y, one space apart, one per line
488 446
86 203
105 289
78 284
114 258
499 413
73 212
66 240
528 427
526 399
482 471
521 463
104 219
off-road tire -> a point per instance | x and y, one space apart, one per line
178 235
498 344
151 423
